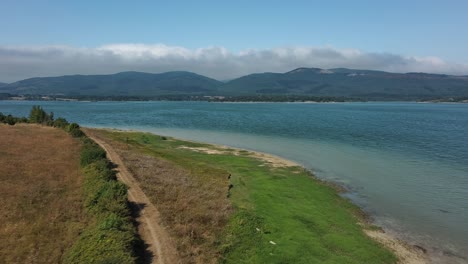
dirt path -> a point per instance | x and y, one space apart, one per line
153 234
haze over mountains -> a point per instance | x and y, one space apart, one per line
339 82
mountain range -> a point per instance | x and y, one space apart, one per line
339 82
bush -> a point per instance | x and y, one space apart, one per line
91 153
107 197
74 130
112 238
103 245
10 120
60 123
77 133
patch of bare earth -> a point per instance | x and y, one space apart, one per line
193 207
405 253
268 159
41 211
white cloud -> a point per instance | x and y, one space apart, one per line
31 61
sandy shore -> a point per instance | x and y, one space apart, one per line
406 253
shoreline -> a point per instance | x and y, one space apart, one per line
405 252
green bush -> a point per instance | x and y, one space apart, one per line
112 238
91 153
74 130
103 168
103 245
10 120
107 197
60 123
113 221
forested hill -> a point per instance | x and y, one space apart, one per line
351 83
340 82
120 84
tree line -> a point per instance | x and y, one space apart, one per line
37 115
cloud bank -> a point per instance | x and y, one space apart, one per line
20 62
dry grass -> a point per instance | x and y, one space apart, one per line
193 205
41 211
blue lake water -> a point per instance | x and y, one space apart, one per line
405 163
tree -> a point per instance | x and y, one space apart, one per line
39 116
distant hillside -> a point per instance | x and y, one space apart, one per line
120 84
3 84
343 82
310 82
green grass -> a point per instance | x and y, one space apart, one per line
111 236
281 215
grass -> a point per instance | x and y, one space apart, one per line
41 212
278 215
61 201
111 236
192 202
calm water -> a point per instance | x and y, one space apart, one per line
404 163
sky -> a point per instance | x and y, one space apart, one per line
227 39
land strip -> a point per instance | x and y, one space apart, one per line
280 212
150 229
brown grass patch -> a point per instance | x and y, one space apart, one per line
41 211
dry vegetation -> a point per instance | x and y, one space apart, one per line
194 206
41 212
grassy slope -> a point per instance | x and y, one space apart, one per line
307 220
41 193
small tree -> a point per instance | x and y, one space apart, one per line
39 116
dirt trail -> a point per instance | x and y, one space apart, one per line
153 234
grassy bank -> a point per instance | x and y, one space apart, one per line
273 213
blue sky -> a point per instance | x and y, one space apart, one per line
419 29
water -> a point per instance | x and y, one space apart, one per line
404 163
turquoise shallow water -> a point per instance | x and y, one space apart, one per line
405 163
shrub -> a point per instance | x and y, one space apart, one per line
74 130
10 120
112 238
103 245
60 123
107 197
91 153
